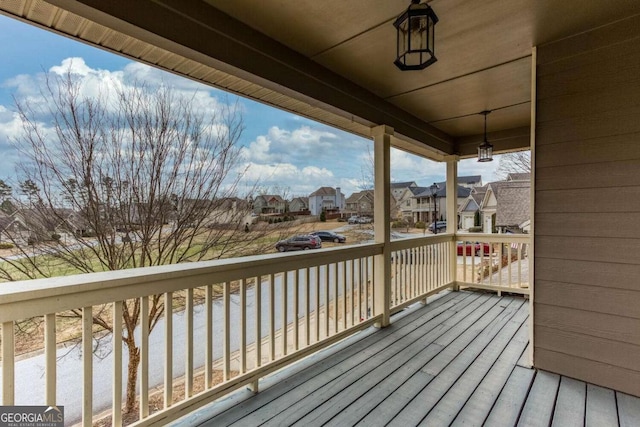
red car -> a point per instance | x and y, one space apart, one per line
477 249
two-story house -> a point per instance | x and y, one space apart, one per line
326 198
269 203
360 203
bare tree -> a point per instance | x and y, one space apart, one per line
135 177
517 162
367 169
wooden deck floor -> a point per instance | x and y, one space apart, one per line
460 360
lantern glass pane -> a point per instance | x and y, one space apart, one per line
431 37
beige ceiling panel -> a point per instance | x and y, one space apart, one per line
15 7
499 87
469 38
508 118
186 67
94 33
115 40
155 54
312 26
69 23
42 13
136 48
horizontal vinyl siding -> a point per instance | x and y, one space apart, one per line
587 207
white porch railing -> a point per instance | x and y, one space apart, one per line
497 262
241 319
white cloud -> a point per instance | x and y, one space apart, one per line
73 66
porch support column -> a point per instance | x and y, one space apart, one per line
452 215
382 221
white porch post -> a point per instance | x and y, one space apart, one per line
452 215
382 221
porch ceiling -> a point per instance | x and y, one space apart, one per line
332 60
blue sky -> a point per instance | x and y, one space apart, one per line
283 151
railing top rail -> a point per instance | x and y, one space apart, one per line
110 286
413 242
493 238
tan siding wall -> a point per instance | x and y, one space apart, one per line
587 219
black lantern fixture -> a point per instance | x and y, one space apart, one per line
485 150
415 37
434 191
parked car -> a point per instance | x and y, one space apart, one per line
476 248
439 225
353 219
365 220
329 236
301 242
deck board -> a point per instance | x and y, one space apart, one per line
628 410
335 394
538 409
375 396
452 362
601 407
570 405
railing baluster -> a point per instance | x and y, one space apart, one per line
317 297
116 401
509 265
491 265
361 291
243 326
50 357
144 357
188 369
208 331
8 363
87 366
296 310
258 314
344 295
366 284
307 306
352 292
168 349
473 263
326 300
520 264
226 350
421 269
257 340
283 311
272 319
335 298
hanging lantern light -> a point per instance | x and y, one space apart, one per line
485 150
415 37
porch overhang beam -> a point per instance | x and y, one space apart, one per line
200 32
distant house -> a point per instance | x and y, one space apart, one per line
405 202
513 213
13 228
269 203
470 208
360 203
423 204
398 188
326 198
299 204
